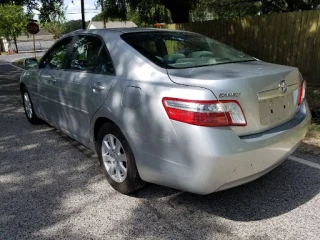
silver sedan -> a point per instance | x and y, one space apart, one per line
168 107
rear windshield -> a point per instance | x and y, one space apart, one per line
183 49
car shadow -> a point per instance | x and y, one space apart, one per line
281 191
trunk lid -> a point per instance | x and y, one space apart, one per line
255 85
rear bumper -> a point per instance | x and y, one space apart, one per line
204 160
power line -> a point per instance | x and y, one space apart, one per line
80 13
71 13
76 9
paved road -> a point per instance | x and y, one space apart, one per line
7 59
51 187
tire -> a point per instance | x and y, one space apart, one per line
28 107
116 156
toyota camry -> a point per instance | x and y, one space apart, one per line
173 108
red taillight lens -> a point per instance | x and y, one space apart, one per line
205 113
302 92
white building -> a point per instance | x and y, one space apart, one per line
99 25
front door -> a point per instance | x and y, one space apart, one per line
51 83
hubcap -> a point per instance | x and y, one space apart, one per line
114 158
27 105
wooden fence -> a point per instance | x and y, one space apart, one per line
286 38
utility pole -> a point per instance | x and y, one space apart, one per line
82 15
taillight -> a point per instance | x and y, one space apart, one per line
205 113
302 92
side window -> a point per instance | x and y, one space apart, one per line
55 58
150 46
104 64
85 53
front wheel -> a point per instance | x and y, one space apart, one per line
28 107
117 160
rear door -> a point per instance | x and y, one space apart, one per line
88 78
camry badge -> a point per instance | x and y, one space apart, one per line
223 95
283 86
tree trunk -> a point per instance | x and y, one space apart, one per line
15 44
180 10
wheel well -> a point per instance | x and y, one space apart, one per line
98 124
22 86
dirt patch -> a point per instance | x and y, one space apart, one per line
311 144
313 96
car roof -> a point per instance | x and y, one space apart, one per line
124 30
117 31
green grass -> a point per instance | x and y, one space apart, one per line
20 62
314 127
313 93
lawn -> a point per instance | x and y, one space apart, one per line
19 63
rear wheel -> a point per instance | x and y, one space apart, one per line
28 107
117 160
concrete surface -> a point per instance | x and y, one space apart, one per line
51 187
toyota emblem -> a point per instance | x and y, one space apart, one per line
283 86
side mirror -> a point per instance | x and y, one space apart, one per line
30 63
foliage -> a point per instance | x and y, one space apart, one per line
73 25
143 13
13 21
56 21
149 11
198 10
239 8
45 7
98 17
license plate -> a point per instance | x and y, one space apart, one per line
276 109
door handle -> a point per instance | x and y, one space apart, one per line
98 86
49 78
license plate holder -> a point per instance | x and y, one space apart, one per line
277 109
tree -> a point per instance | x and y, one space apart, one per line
234 8
73 25
56 21
13 21
179 9
149 10
98 17
45 7
199 9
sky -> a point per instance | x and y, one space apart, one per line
74 9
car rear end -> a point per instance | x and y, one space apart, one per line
251 116
257 117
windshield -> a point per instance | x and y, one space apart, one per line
183 49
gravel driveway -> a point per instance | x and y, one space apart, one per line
51 187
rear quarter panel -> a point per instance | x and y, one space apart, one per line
147 127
